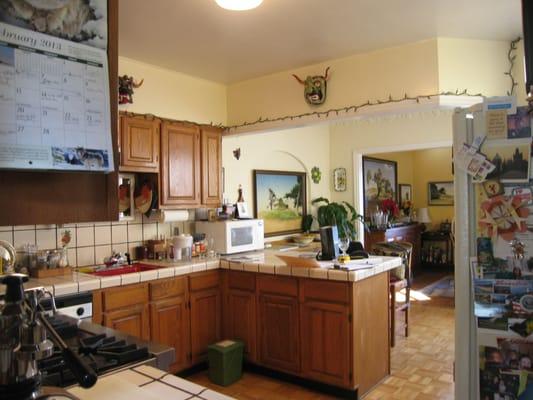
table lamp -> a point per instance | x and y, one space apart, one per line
423 217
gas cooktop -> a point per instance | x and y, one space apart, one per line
104 351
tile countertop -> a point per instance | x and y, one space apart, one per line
265 262
145 383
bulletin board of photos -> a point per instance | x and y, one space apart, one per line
503 266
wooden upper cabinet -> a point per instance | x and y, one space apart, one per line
139 144
211 166
180 165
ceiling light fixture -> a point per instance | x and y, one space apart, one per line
239 5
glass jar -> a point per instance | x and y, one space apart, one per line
63 258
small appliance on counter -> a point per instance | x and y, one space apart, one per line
182 245
234 236
329 237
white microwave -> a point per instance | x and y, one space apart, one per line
234 236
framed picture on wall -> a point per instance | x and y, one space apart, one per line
280 199
406 192
440 193
380 179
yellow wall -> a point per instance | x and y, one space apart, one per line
380 135
411 68
427 67
476 65
419 167
433 165
290 150
171 94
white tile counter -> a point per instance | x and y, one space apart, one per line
265 262
145 383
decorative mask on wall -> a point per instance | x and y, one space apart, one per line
315 87
126 84
237 153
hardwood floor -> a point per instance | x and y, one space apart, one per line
421 365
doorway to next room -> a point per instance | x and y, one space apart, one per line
421 216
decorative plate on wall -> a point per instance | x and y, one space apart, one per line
339 179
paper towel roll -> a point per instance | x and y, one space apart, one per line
173 215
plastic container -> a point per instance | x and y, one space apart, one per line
225 362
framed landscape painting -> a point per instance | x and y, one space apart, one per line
440 193
280 200
380 179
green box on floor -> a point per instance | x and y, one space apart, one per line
225 361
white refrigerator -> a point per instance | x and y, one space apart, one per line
493 252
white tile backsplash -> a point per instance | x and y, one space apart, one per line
85 236
7 236
90 242
46 238
102 252
135 233
24 227
121 248
119 234
102 235
149 231
23 237
85 256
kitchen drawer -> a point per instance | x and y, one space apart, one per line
278 285
321 290
204 280
241 280
124 296
165 288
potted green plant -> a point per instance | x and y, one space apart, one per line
342 214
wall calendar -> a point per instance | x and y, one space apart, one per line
54 103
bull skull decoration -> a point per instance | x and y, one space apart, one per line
315 87
126 84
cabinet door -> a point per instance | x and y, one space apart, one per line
139 144
132 321
325 342
180 165
241 320
278 329
169 323
206 309
211 166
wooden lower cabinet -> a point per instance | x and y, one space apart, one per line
240 311
241 320
133 320
205 322
278 327
325 342
206 313
332 332
169 318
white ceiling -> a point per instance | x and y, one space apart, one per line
199 38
